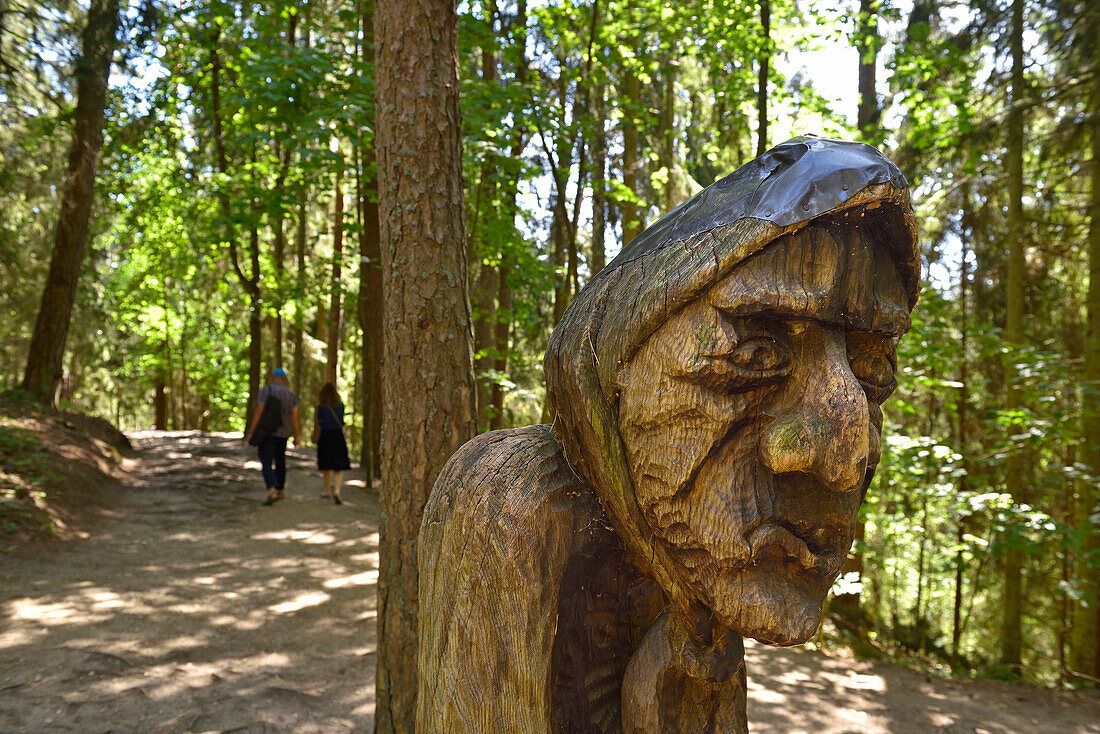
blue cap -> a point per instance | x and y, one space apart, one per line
279 372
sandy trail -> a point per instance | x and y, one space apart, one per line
199 610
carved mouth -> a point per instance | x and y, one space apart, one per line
811 549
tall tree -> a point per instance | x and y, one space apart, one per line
335 309
1086 623
429 400
370 280
47 348
867 114
762 76
1011 629
632 217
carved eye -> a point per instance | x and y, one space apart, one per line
761 354
761 357
873 363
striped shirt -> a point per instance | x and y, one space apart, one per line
289 402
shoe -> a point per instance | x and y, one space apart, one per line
336 499
269 501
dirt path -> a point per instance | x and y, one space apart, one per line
198 610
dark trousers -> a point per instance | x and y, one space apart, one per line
273 461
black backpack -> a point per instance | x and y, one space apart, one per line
270 420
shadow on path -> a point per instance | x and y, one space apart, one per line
797 691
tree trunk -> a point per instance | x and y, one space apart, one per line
255 329
47 347
482 249
160 402
631 216
503 333
429 401
867 114
335 310
762 78
1014 465
599 184
963 418
1086 623
370 289
300 284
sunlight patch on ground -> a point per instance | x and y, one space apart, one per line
359 579
308 599
105 600
864 682
42 613
314 537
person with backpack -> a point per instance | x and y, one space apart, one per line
328 434
273 423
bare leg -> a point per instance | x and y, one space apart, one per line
326 477
336 492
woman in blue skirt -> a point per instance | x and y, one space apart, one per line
332 450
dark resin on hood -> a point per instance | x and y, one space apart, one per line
793 182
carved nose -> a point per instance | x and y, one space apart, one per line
823 425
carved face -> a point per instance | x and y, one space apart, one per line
751 424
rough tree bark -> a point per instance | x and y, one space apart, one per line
1011 629
429 400
47 348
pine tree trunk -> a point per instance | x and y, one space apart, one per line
335 309
1086 623
599 184
503 333
631 216
370 288
867 114
47 347
482 250
668 137
429 400
1011 629
963 434
300 284
762 78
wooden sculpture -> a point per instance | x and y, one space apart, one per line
715 394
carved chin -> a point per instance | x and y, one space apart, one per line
770 604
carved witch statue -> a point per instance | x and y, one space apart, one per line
715 396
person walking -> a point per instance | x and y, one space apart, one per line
272 447
328 433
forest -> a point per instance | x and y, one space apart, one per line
225 158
